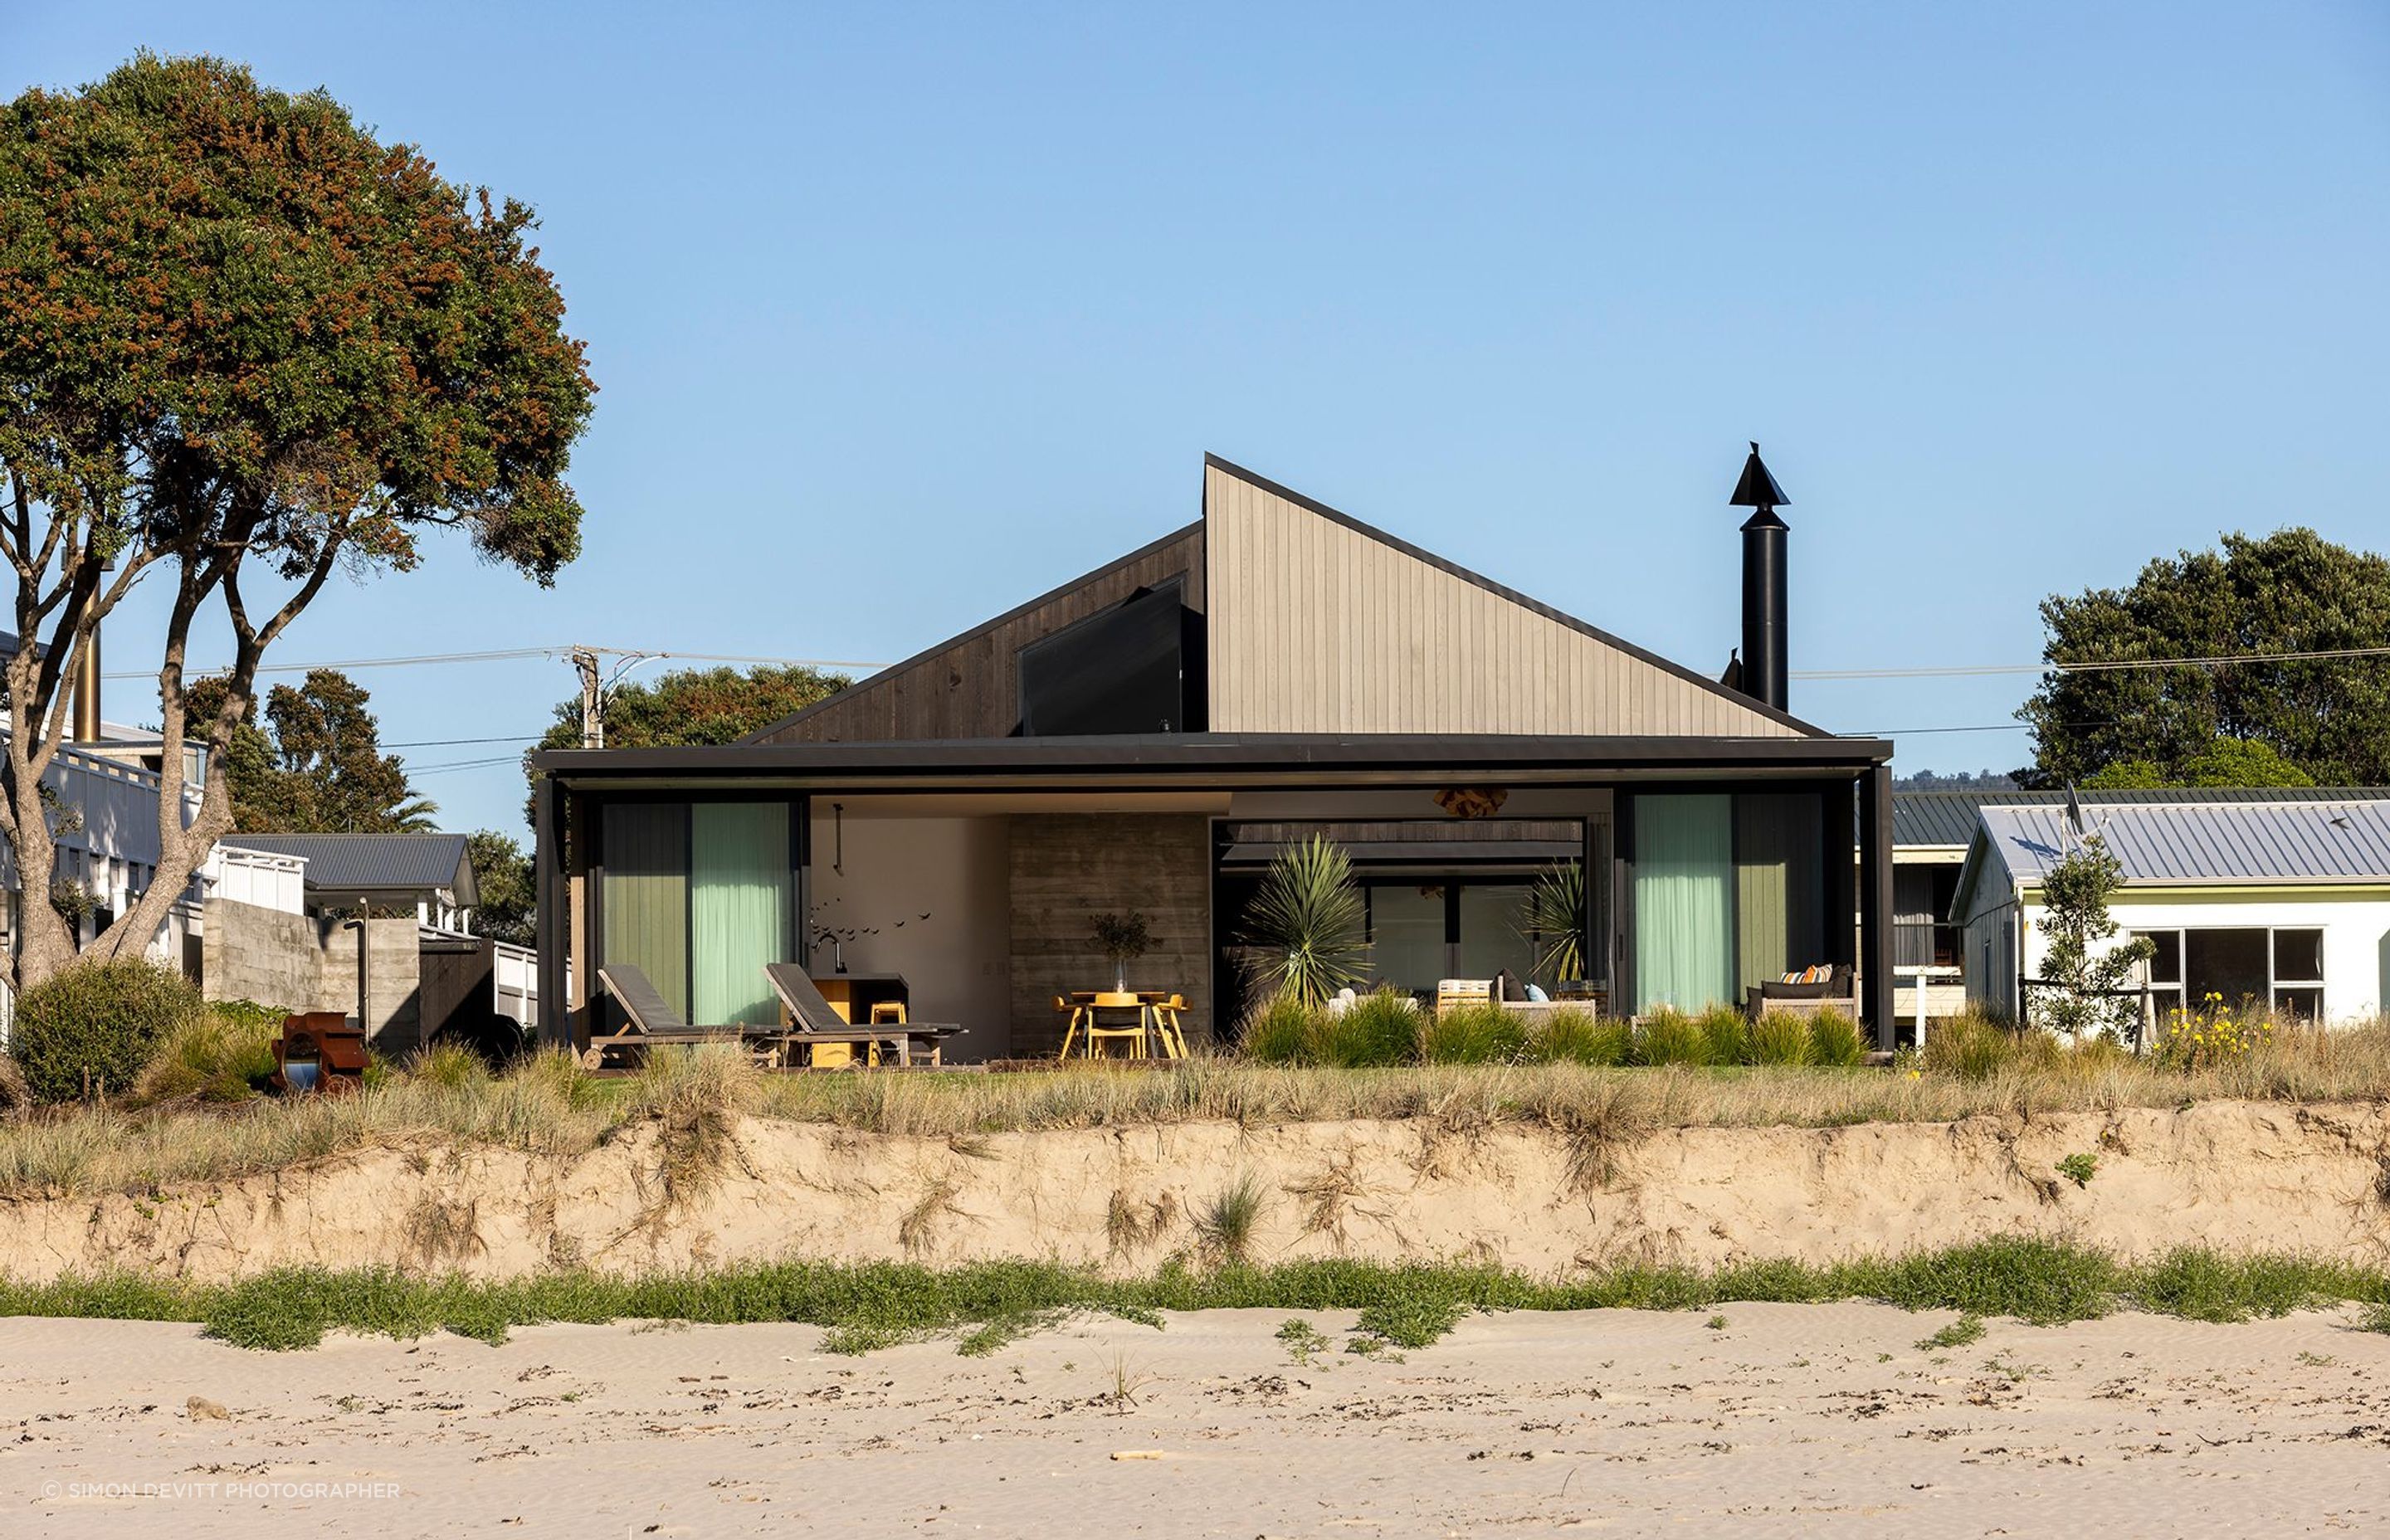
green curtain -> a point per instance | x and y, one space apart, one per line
1684 889
1780 882
646 893
740 880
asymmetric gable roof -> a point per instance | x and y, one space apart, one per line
1314 622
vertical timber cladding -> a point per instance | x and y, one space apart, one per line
1317 625
1068 867
967 686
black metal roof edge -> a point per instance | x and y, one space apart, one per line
1210 750
1504 591
882 676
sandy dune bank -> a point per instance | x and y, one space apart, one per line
2239 1176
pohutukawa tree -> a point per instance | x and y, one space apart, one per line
243 345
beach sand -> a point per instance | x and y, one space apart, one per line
1788 1419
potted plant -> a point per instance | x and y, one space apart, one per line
1124 939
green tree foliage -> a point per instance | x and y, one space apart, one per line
1309 922
2290 592
243 345
2076 962
692 707
502 873
316 766
2228 762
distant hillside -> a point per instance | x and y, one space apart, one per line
1962 781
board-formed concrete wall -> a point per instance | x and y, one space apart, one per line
1068 867
297 962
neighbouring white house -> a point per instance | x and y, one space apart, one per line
2286 902
1932 832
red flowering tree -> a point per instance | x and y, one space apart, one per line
243 345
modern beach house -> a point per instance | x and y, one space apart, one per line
1146 736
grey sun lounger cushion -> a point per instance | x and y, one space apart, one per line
648 1009
812 1013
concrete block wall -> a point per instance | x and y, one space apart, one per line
298 962
1067 868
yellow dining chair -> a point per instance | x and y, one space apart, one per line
1166 1025
1098 1033
1075 1016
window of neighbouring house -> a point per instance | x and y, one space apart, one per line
2298 974
2234 968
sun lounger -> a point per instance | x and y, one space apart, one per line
812 1020
652 1021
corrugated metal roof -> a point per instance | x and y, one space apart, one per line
1948 818
2286 843
363 863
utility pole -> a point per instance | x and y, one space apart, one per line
593 715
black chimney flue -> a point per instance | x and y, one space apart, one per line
1762 581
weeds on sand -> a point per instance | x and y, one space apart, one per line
1409 1305
1966 1329
1303 1342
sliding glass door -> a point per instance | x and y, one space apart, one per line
699 897
739 886
1684 897
1729 891
646 895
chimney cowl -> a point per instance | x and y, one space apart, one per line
1764 583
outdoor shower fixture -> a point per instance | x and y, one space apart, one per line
1762 581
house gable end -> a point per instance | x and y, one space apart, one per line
1319 622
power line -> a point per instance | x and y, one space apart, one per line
515 654
2105 666
451 742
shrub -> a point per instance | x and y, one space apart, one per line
1973 1048
1378 1030
450 1066
95 1024
1226 1223
1669 1036
1726 1036
1578 1037
1474 1034
1835 1041
1309 918
222 1053
1781 1037
1281 1032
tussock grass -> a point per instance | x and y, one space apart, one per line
544 1106
1413 1305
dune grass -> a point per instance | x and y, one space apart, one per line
983 1306
544 1106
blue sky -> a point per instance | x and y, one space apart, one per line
903 315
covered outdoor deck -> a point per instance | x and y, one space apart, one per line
967 874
